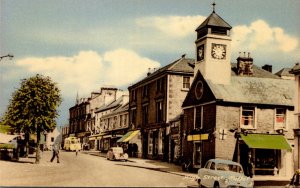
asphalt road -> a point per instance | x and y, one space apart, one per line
84 170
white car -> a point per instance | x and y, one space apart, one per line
116 153
223 173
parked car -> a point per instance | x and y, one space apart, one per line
295 181
223 173
116 153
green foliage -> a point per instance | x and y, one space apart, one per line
4 128
34 105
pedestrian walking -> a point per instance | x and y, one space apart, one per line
55 153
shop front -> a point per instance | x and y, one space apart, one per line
131 143
266 155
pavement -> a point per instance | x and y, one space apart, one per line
150 164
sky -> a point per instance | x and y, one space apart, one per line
84 45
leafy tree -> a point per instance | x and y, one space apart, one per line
33 108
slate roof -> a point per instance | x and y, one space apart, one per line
111 105
214 20
182 65
121 109
284 72
255 90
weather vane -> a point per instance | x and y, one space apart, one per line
213 4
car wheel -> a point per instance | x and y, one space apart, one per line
113 158
216 185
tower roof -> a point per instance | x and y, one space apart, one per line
214 20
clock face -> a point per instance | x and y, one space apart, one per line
200 53
199 90
218 51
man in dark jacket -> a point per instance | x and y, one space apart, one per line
55 152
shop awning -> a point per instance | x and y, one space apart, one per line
128 136
197 137
266 141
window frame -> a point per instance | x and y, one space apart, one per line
283 125
186 82
254 120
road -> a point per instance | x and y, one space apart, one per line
84 170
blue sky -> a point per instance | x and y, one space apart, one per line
84 45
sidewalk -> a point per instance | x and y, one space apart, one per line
151 164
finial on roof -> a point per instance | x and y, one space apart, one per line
214 4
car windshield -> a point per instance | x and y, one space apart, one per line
229 167
119 150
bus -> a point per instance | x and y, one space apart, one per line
72 144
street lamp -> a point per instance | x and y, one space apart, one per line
8 55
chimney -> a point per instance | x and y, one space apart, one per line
267 68
148 74
244 64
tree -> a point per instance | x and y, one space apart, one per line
33 108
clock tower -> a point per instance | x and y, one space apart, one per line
213 49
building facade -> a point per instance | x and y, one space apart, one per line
154 101
296 71
245 115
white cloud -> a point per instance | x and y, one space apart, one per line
259 35
87 71
173 26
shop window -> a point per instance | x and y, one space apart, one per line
248 118
280 118
186 82
267 161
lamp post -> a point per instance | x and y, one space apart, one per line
1 57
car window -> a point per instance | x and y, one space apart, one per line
229 167
119 150
207 164
212 166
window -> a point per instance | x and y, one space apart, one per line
280 118
197 154
159 111
248 118
52 139
186 82
133 116
145 115
198 117
121 121
145 91
159 85
133 95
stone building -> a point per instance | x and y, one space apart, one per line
236 111
296 71
113 123
82 121
157 99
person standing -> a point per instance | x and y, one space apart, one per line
76 152
55 153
